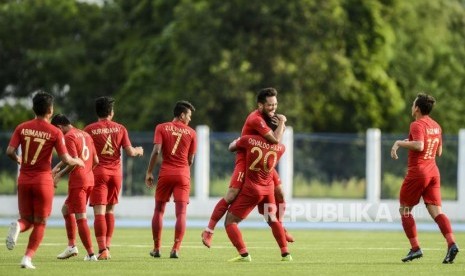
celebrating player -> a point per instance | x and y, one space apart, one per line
257 123
81 182
37 138
260 158
109 138
176 141
423 179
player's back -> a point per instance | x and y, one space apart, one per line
37 138
109 137
430 133
80 144
178 141
261 159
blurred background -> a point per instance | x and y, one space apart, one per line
340 67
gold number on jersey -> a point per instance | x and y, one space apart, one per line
430 152
178 139
266 167
108 148
85 150
240 177
39 148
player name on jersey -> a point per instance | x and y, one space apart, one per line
106 130
264 145
431 131
35 133
177 129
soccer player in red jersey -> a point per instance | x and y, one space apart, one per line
261 157
423 179
177 143
37 139
109 138
81 182
257 123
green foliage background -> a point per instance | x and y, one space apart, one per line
339 65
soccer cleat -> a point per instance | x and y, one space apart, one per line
68 253
412 255
104 255
289 237
155 253
246 259
26 262
174 254
207 237
13 233
287 258
92 258
451 253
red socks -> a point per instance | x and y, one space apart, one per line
70 224
100 228
84 234
410 229
279 236
445 227
180 227
219 211
110 220
35 239
235 237
24 225
157 223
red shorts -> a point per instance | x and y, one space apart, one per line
414 188
77 199
106 189
244 204
35 200
176 185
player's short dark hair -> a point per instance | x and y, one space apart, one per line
182 107
265 93
60 120
41 102
104 106
425 103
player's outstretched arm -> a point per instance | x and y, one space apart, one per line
134 151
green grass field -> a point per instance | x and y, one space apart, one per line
314 252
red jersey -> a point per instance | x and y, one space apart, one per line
37 138
109 137
80 145
261 159
423 163
178 141
255 125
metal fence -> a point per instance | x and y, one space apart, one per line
325 165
